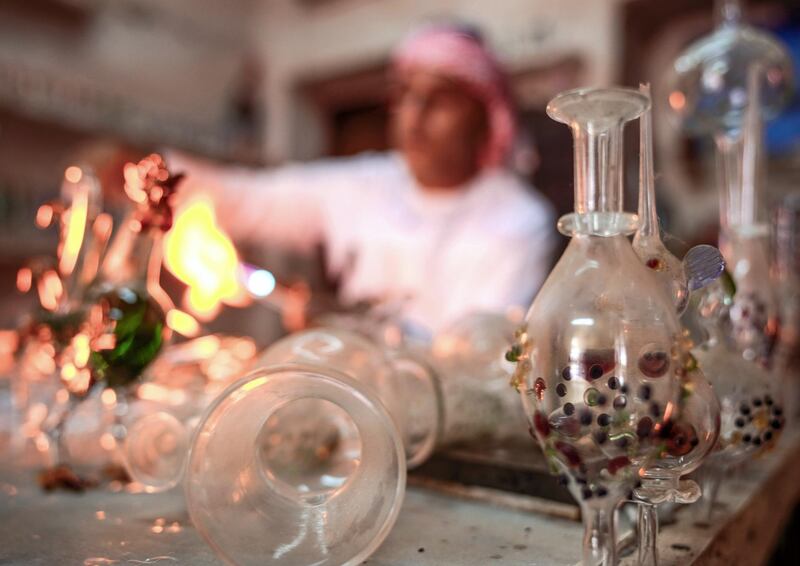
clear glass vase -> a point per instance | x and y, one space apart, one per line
600 353
752 321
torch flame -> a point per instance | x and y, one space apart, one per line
202 256
183 323
75 227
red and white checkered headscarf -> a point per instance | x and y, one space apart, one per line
459 53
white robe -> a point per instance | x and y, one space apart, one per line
435 255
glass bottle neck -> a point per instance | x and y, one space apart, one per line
598 184
740 202
596 118
598 178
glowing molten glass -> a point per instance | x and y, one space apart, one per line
202 256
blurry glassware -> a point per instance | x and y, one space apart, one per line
692 431
49 337
179 386
468 357
751 416
732 80
726 84
130 327
326 429
470 360
600 353
710 92
123 322
741 312
752 321
786 265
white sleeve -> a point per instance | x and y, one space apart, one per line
285 206
521 266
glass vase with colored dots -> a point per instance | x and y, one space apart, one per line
599 355
732 80
740 313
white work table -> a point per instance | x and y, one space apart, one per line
99 527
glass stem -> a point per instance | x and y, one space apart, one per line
599 537
119 428
739 163
56 433
648 533
730 154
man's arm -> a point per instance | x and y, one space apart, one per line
284 206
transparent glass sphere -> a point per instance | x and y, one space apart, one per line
709 86
155 451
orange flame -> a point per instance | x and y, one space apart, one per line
202 256
74 229
183 323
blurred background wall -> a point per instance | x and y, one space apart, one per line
266 81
